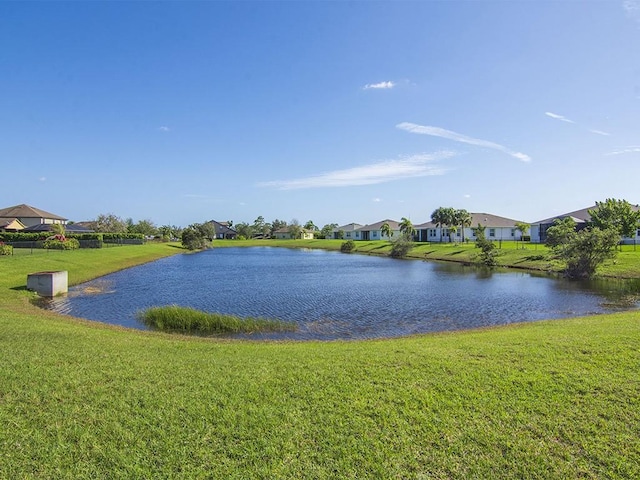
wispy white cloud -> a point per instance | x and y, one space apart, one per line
379 86
458 137
631 149
43 179
632 9
164 129
565 119
558 117
376 200
380 172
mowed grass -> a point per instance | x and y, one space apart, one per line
553 399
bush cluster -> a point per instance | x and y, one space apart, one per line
58 244
6 249
348 246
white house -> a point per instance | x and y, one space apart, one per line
348 231
496 228
374 231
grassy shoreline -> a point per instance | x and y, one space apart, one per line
510 254
550 399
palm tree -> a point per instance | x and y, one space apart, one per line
385 230
523 228
443 217
406 228
463 219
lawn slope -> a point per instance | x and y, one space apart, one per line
553 399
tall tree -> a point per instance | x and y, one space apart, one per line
583 251
462 219
295 230
244 230
385 230
109 223
327 230
406 228
523 228
277 225
310 226
145 227
443 217
617 214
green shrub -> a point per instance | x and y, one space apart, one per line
348 246
6 249
188 320
22 237
401 247
59 244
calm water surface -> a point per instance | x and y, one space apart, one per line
338 296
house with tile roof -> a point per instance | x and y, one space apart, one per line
374 231
285 234
496 228
346 232
29 216
581 217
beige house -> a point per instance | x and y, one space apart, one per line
27 216
11 225
285 234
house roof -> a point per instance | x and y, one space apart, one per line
378 225
26 211
350 227
484 219
223 228
11 224
286 230
579 216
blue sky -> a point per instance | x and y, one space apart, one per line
182 112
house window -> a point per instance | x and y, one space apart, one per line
348 234
638 233
492 232
432 232
375 234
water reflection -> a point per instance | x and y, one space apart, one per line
332 295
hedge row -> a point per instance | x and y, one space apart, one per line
86 240
35 236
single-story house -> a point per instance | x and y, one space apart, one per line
30 216
374 232
224 231
285 234
346 232
496 228
581 217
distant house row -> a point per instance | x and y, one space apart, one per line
24 218
496 228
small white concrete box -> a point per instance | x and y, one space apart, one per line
48 284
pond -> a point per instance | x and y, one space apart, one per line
331 295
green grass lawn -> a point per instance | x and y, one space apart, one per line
553 399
